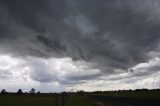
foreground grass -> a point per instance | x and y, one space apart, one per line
79 101
26 100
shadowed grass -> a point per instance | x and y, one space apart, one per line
79 101
26 100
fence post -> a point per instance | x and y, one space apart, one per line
63 102
56 100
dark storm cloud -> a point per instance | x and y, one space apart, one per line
29 12
110 34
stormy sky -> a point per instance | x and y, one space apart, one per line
58 45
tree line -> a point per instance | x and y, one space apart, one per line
32 91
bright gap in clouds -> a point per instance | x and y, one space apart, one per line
63 74
47 75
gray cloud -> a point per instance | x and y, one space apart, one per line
109 34
67 72
5 74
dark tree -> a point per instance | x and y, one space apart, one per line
3 91
19 91
33 91
38 93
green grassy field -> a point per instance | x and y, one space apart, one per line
38 100
79 101
26 100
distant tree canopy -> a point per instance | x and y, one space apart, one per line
33 91
81 91
3 91
19 91
38 92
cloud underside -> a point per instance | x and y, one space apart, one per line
56 74
92 39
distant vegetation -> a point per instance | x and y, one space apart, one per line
138 93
